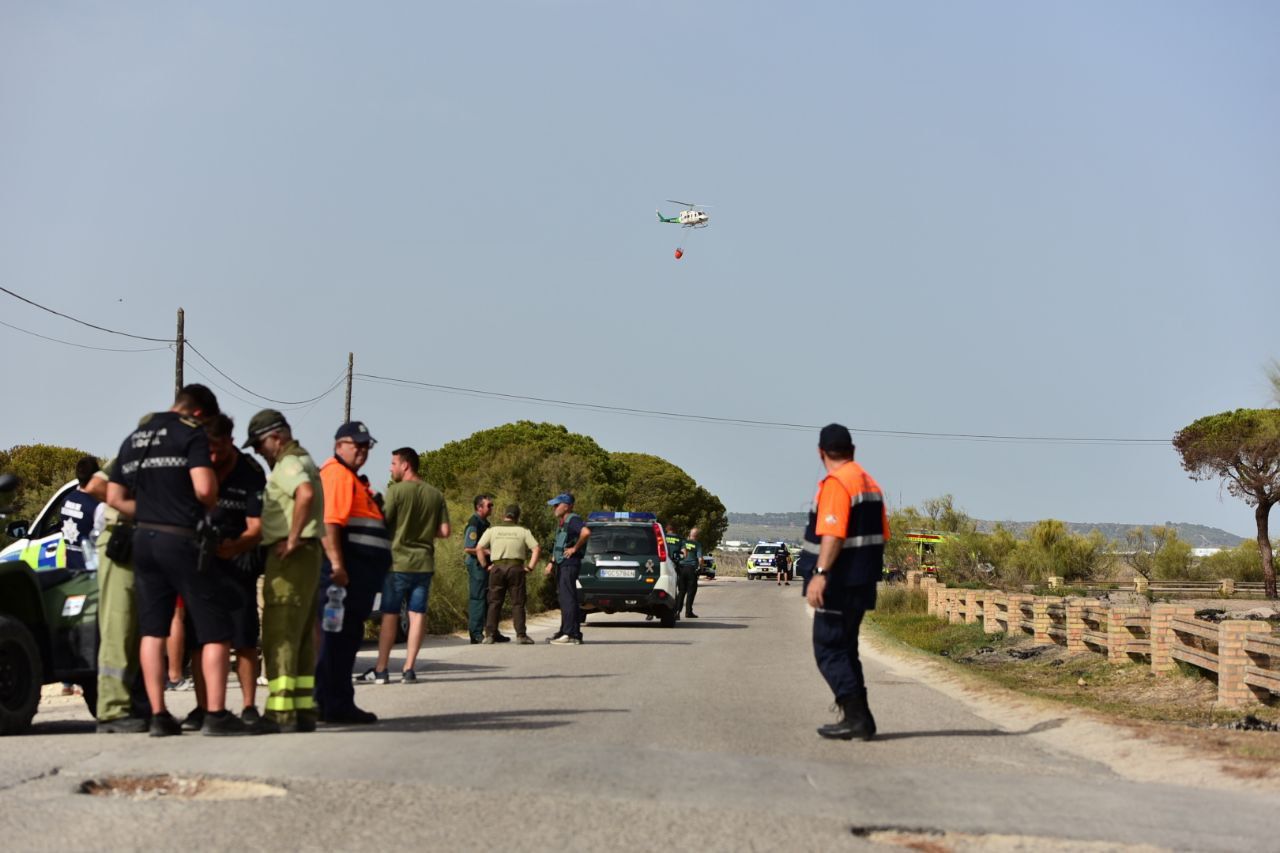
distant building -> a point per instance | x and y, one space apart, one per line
1204 552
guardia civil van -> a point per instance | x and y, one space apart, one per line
627 568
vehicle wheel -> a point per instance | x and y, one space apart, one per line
668 620
19 676
90 690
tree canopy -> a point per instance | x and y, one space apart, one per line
1243 449
41 470
655 485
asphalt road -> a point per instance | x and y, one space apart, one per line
698 737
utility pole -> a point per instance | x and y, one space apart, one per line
177 350
351 361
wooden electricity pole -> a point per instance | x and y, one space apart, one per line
346 411
177 350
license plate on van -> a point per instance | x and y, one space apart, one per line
617 573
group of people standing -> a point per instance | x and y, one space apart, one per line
189 517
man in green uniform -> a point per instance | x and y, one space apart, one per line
508 552
416 516
292 521
478 578
687 574
121 705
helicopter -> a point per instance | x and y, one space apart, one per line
690 217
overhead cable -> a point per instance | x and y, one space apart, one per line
82 346
83 322
251 392
761 424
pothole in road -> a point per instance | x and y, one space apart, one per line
167 787
938 841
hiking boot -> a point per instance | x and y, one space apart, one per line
263 726
523 640
194 721
409 676
855 720
164 725
488 641
352 717
501 638
223 724
122 725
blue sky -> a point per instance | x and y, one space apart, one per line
982 218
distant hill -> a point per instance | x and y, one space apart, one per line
750 526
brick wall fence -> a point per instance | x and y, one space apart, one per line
1245 655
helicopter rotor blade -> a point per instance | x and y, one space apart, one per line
687 204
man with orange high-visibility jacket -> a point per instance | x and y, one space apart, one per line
357 551
842 558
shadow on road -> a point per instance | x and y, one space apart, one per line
520 677
595 642
1045 726
684 623
482 721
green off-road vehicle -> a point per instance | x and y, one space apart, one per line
48 615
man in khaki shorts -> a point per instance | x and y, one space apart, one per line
508 552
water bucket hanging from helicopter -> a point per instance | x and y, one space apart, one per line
679 253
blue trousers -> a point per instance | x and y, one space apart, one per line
335 694
567 593
477 600
835 638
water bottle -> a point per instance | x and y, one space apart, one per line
333 609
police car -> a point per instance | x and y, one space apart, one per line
39 542
760 563
627 568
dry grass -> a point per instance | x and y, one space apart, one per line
1178 707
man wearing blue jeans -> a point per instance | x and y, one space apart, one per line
416 515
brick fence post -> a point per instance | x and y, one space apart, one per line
954 598
931 595
1232 660
1040 607
1016 600
1227 586
1141 585
1055 581
913 579
1118 634
972 605
1075 625
991 612
1162 638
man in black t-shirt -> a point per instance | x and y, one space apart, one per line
237 563
164 480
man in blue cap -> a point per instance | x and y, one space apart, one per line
566 561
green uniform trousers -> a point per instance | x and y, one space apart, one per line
477 600
288 632
118 665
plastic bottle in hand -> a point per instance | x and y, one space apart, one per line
333 609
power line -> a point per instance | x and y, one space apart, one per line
80 346
83 322
286 407
760 424
251 392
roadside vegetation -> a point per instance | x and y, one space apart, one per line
1183 700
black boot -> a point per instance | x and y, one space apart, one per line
855 720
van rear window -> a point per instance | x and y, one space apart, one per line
622 540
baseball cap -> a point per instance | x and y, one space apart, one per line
263 423
562 498
356 431
835 438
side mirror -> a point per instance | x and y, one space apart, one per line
16 529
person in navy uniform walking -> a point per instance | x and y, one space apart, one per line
842 558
